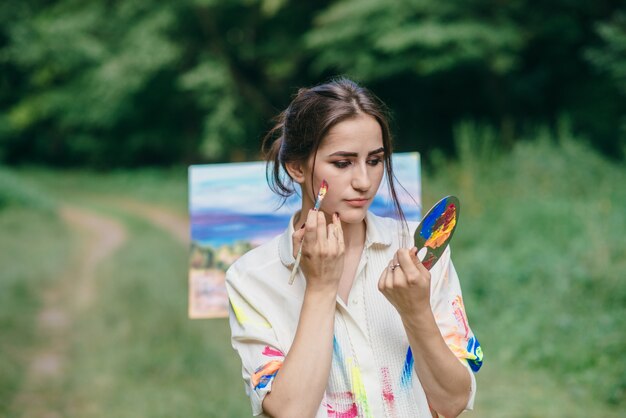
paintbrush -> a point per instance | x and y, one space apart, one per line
318 203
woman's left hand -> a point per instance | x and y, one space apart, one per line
406 283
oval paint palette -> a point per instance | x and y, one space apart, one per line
434 233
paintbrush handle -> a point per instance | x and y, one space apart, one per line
294 270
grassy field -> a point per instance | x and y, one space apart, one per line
540 252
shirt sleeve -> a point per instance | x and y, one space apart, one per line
254 339
449 311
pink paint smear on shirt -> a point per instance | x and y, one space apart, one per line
342 397
459 314
271 352
353 412
388 391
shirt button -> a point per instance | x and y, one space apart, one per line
355 302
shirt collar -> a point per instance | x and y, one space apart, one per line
375 234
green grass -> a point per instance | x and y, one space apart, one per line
167 188
541 254
16 192
33 254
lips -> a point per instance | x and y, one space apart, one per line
357 202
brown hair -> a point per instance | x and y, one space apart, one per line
300 129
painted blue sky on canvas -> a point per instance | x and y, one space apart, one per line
232 202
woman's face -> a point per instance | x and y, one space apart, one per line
351 159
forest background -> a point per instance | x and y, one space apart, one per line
517 107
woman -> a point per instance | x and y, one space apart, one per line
365 330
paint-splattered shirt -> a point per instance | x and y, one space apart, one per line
372 373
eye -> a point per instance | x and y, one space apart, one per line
374 161
341 164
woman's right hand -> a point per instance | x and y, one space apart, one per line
322 251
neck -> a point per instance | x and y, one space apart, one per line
354 235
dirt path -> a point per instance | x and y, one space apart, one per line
97 238
171 222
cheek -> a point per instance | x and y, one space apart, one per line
379 173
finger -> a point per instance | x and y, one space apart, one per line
331 233
322 235
382 280
296 240
416 261
399 278
310 235
339 232
409 269
390 272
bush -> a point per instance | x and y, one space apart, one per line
541 253
16 192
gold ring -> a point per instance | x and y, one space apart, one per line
395 266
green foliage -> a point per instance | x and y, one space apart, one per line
117 84
126 84
14 191
422 37
610 58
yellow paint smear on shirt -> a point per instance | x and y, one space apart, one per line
461 353
360 396
243 319
456 343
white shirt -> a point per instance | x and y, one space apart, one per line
372 373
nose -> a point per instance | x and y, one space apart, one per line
360 178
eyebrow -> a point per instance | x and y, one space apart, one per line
354 154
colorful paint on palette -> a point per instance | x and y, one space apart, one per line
407 370
436 229
442 227
264 374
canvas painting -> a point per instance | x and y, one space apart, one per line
232 210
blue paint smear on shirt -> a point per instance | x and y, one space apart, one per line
337 351
265 379
407 370
473 346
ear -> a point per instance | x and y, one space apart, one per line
296 171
